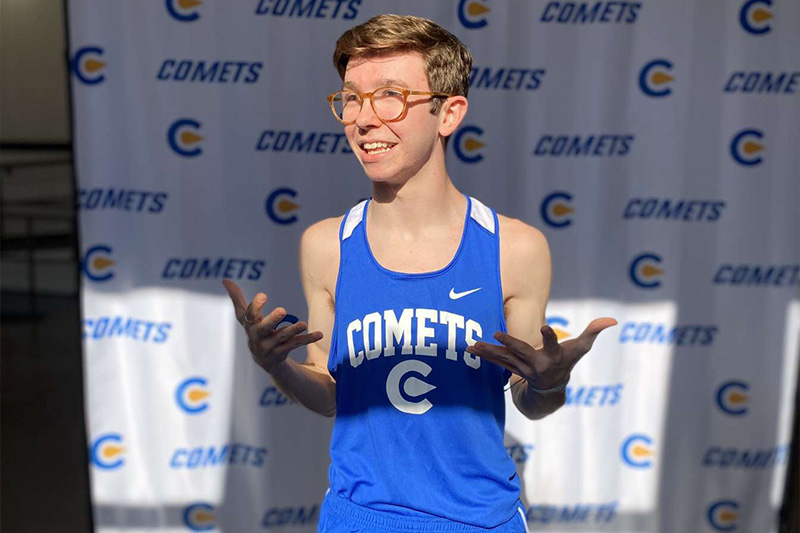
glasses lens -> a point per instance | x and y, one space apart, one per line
346 104
388 103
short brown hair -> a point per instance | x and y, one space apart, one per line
448 63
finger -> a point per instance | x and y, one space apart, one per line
587 338
237 297
550 341
287 332
266 327
279 336
499 355
253 313
281 339
300 340
515 345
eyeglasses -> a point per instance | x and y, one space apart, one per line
388 103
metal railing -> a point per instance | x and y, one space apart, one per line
26 239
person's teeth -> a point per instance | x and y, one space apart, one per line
377 147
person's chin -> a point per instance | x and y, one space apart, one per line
377 172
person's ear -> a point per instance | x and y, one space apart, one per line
452 113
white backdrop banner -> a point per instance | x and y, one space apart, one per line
654 143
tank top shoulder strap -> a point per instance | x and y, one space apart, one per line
484 216
351 220
481 213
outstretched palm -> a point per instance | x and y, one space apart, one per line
546 367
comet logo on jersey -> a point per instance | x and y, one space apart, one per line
467 146
107 451
87 66
413 387
654 78
279 208
723 515
96 265
559 324
643 271
183 10
745 149
191 395
732 397
754 16
200 517
183 139
637 451
556 208
471 14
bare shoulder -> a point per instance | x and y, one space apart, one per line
319 253
516 232
524 256
324 232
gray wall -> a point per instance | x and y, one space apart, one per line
34 110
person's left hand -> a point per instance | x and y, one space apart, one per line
548 366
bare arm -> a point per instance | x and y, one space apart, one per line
319 266
530 269
310 383
531 349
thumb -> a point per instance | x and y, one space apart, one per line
549 339
594 328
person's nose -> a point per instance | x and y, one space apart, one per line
366 117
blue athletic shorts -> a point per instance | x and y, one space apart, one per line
340 515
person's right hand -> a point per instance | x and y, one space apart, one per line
268 346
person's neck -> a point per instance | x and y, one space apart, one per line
426 203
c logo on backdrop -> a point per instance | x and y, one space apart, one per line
200 517
754 16
183 10
723 515
655 78
96 264
277 207
643 270
107 451
182 138
745 148
87 65
520 453
637 451
732 397
466 144
288 320
559 324
556 208
471 13
191 395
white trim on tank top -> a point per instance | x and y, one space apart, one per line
481 214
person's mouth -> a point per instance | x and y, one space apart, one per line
376 147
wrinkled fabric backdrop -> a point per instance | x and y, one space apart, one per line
654 143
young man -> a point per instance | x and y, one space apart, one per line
404 291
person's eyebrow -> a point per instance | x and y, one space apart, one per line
384 82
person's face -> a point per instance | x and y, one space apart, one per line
411 139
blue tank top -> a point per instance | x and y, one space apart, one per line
419 422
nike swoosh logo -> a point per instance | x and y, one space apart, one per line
456 295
